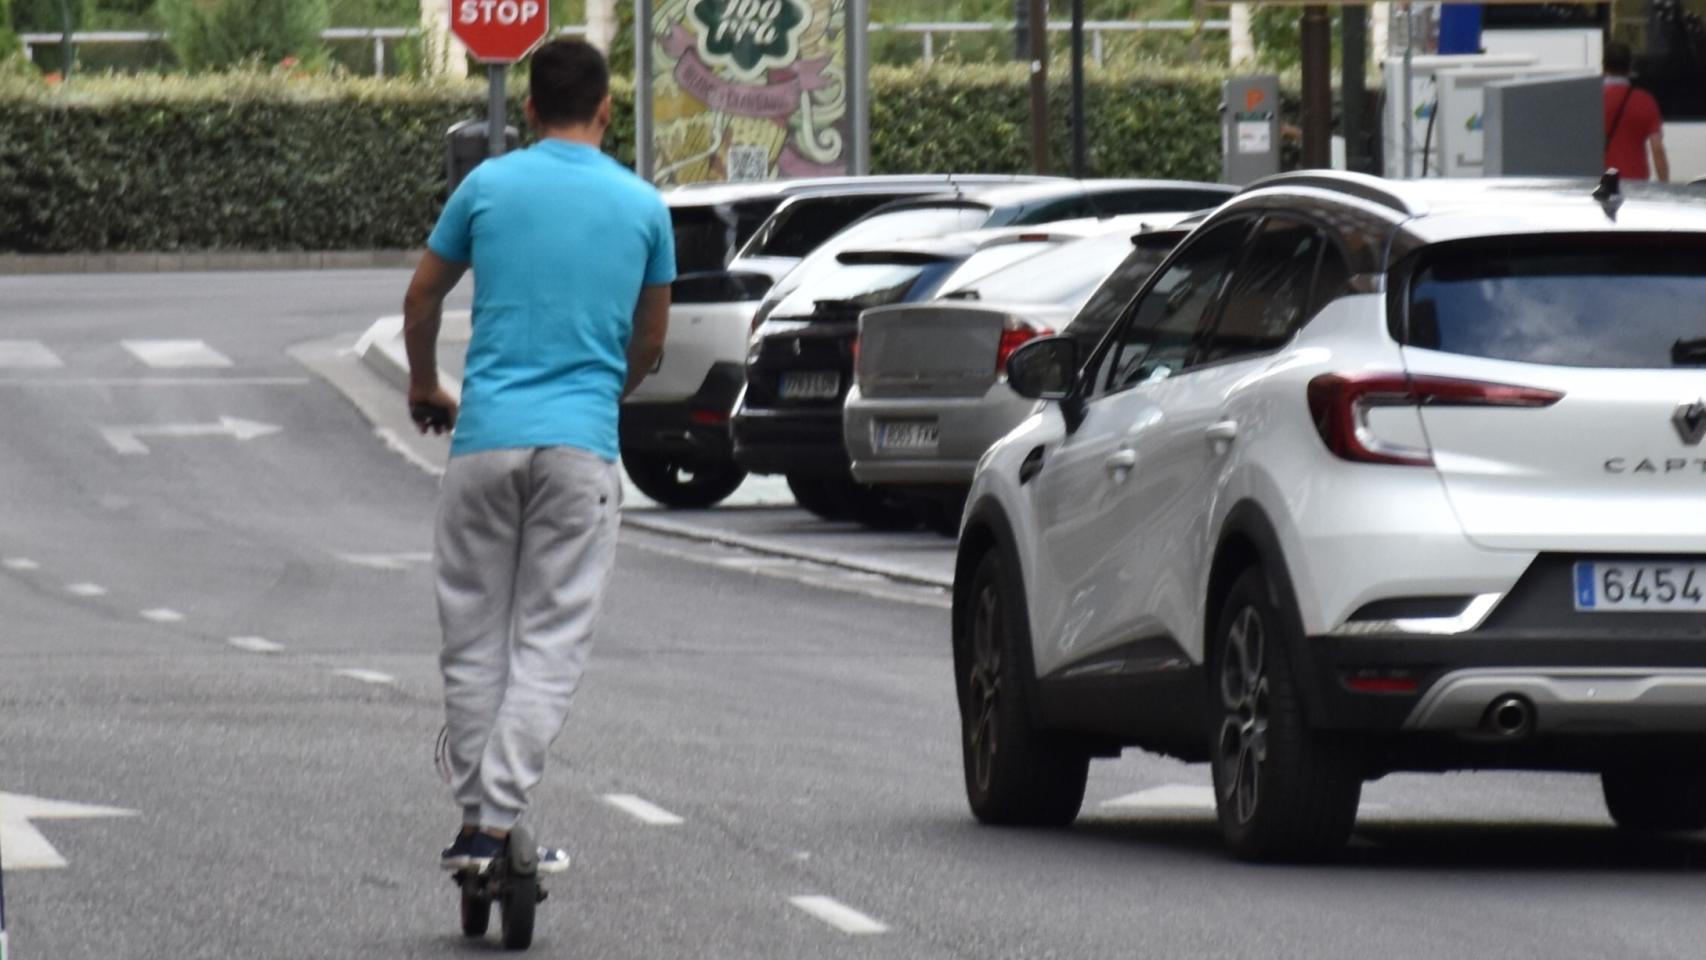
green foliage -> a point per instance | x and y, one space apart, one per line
622 47
1148 122
266 161
216 34
48 16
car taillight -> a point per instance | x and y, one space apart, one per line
1339 404
1015 333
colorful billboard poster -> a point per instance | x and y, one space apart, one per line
749 90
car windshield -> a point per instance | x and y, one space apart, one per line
1066 275
1580 302
905 224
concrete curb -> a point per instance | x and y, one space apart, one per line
51 263
684 531
381 348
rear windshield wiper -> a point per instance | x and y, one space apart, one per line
966 294
1689 353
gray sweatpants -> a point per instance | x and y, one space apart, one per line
526 544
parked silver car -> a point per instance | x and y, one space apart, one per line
929 395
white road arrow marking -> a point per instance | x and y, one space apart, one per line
128 440
386 561
176 353
26 848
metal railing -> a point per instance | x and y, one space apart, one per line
1095 29
380 36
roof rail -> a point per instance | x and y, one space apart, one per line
1378 190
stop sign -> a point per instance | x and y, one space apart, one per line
499 31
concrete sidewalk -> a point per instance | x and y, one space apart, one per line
760 517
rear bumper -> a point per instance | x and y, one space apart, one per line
966 428
1590 685
804 442
694 429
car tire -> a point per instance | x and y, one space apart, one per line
682 484
1282 791
825 497
1655 799
1015 775
880 508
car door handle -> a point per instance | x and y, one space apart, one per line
1121 462
1225 431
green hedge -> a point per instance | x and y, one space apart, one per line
269 161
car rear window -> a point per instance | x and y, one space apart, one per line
877 229
860 286
1598 301
706 237
1065 275
803 225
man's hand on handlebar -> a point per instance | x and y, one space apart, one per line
432 410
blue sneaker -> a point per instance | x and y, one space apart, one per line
483 848
455 856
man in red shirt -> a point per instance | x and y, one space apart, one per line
1632 121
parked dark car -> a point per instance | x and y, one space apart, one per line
732 242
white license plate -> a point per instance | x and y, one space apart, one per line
1641 587
906 435
811 385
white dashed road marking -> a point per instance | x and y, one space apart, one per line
163 615
19 563
643 810
176 354
838 915
255 644
366 676
1172 796
85 589
28 355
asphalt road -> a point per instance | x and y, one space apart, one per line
795 718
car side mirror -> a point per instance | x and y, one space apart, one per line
1044 369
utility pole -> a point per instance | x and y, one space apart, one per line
1039 86
1079 149
1317 31
1354 86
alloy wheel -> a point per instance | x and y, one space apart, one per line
984 685
1244 700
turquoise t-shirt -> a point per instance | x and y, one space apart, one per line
561 238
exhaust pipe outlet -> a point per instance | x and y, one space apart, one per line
1509 717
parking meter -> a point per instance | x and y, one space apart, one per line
1249 129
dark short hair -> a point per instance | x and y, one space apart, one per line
567 80
1618 57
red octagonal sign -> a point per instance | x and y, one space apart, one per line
500 31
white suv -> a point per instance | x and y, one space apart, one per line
1370 476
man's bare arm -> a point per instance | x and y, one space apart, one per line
423 314
1661 160
651 323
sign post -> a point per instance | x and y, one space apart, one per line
498 33
750 89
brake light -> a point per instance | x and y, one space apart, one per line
1339 404
1015 333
